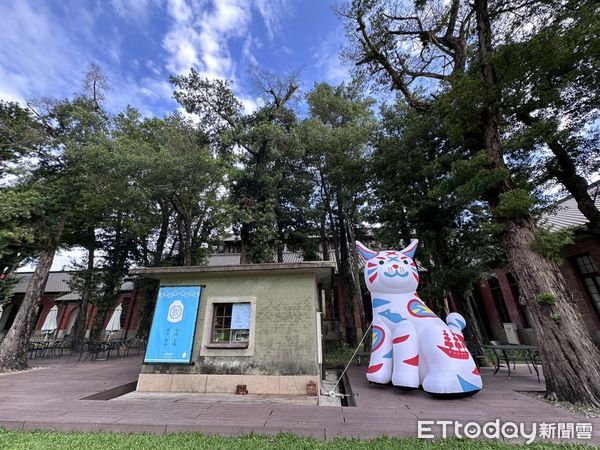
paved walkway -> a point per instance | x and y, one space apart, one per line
50 398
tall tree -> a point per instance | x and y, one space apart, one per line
551 103
337 135
49 188
187 179
269 147
416 192
20 136
544 295
557 322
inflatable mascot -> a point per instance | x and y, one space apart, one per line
411 346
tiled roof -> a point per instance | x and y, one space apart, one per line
58 282
233 259
567 214
71 296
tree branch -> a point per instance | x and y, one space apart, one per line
373 53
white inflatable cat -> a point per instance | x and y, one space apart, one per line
411 346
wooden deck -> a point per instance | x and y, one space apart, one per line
51 398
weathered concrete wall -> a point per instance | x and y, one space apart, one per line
285 340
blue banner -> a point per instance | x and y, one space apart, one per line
172 333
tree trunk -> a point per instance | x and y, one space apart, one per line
570 359
464 303
355 273
244 243
81 324
326 197
345 269
147 309
187 250
97 332
13 348
563 168
280 242
323 236
566 173
162 235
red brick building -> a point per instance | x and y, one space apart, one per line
57 292
497 297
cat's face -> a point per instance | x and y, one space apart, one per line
390 271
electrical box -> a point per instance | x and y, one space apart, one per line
511 333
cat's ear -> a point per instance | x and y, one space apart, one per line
364 252
411 248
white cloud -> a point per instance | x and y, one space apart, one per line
228 19
135 10
251 104
43 56
247 49
35 56
272 12
151 65
201 33
327 59
179 43
180 10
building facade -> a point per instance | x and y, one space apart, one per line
498 296
58 293
278 351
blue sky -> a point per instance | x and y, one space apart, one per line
46 46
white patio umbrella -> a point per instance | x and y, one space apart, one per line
114 324
50 325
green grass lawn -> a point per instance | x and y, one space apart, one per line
47 440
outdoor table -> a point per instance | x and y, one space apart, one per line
117 345
514 352
94 349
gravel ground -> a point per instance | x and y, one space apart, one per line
16 372
572 407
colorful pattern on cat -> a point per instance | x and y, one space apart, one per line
412 346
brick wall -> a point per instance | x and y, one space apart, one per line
66 310
589 315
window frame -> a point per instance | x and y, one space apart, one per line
213 343
232 348
499 300
513 285
594 276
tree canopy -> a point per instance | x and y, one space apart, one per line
492 104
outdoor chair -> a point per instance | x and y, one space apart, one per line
60 347
476 352
94 349
37 349
118 345
501 354
135 344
